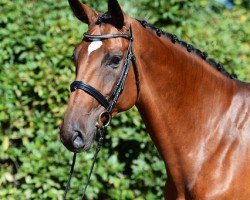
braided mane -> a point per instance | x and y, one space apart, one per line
189 48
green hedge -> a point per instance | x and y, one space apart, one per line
36 43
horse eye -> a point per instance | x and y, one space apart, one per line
115 60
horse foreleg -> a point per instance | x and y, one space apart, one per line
170 191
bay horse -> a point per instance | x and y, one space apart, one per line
195 112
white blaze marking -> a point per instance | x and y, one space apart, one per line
94 46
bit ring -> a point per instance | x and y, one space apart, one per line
101 124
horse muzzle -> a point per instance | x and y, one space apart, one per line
75 140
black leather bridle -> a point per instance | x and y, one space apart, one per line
108 103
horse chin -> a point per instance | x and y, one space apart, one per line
84 149
87 146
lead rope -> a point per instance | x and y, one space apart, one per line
98 148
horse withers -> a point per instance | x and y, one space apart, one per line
195 112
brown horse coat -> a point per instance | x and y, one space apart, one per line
197 117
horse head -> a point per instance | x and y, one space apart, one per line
100 60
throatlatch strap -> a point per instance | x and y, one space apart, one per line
91 91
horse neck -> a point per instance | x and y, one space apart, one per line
179 92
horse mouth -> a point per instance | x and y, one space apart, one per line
78 143
83 149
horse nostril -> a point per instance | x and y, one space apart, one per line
78 141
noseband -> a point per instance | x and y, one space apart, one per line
110 102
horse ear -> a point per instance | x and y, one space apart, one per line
83 12
116 13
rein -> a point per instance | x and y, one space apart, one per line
108 103
98 148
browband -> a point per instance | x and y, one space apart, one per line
108 36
